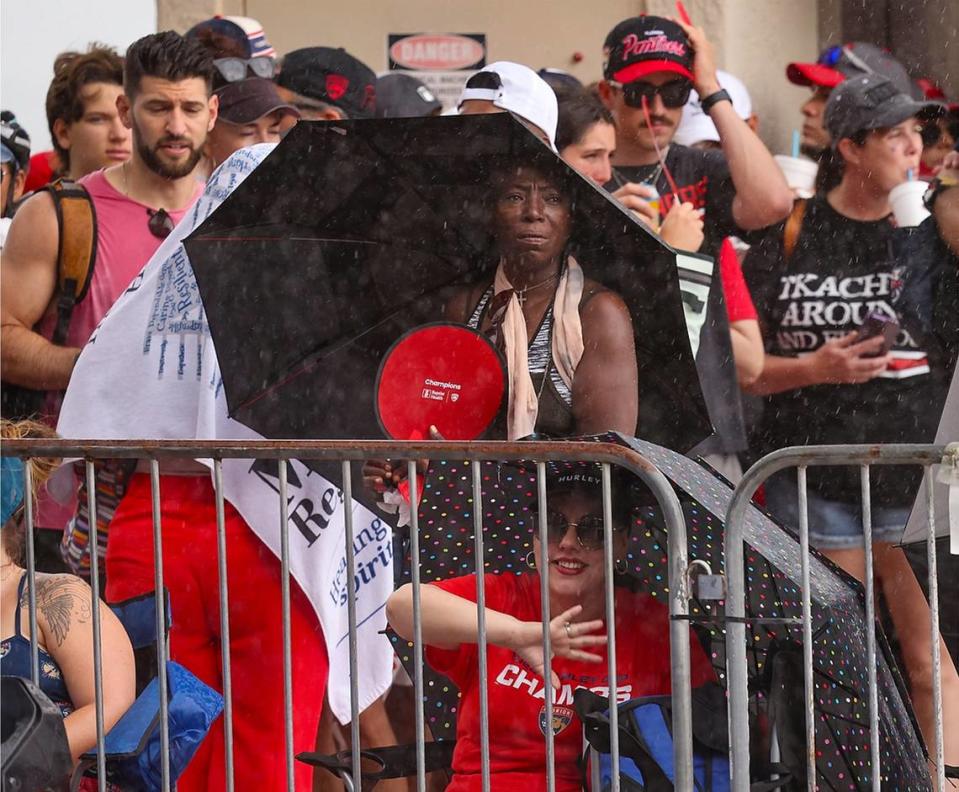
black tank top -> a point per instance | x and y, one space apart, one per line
555 415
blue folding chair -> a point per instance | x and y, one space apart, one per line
132 747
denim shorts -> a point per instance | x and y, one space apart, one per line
833 525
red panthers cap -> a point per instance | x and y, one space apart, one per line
643 45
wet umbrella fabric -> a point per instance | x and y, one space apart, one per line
351 233
773 593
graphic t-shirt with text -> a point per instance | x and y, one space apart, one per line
841 271
702 179
517 711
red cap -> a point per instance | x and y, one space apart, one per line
43 166
814 74
642 68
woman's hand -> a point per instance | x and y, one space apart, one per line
636 197
567 639
380 475
683 227
842 361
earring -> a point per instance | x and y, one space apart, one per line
531 559
620 566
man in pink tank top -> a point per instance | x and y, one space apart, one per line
169 107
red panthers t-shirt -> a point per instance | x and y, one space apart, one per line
517 710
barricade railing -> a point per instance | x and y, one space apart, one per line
801 458
156 453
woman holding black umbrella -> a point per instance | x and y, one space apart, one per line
568 341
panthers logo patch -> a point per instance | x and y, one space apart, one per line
561 718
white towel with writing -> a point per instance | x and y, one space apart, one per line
150 372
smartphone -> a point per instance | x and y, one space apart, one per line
878 324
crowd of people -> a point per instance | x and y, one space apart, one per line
841 320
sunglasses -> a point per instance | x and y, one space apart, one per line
833 55
236 69
590 530
160 223
674 93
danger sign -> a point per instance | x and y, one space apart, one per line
437 52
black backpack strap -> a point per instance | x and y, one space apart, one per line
394 761
76 250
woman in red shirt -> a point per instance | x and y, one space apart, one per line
514 635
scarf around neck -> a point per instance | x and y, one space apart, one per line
567 344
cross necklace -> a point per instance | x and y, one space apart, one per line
521 293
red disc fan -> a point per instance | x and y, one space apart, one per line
443 375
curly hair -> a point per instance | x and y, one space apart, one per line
41 468
71 72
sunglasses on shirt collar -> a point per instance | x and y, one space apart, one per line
159 223
674 94
236 69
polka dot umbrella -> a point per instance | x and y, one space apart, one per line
773 608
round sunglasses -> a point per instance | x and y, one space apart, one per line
236 69
590 530
674 94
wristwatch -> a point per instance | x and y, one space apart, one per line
714 98
936 187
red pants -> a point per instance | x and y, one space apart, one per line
256 632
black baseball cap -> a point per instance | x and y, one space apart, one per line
244 101
14 142
643 45
402 96
331 75
628 492
867 102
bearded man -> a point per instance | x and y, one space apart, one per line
168 105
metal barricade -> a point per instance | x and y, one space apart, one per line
801 458
156 453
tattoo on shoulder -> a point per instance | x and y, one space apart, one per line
61 599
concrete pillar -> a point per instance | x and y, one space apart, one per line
181 15
921 35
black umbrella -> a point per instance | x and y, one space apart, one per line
351 233
773 606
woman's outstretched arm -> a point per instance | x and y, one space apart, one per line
449 620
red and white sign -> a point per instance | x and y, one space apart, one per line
432 52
